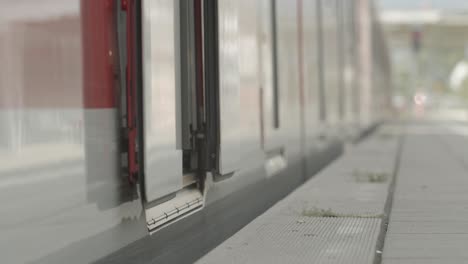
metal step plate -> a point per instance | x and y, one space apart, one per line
186 202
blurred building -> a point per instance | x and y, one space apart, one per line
426 45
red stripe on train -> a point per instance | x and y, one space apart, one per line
99 53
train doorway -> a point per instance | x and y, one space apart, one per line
160 43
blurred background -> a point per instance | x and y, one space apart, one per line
428 41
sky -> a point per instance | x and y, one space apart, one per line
417 4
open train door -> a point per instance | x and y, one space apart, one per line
222 87
163 154
190 92
187 106
162 103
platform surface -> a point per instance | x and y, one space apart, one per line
429 216
400 196
336 217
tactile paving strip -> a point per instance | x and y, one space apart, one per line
302 240
429 216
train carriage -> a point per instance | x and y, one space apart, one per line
150 130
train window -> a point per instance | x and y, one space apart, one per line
274 34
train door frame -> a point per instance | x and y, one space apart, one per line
206 134
211 84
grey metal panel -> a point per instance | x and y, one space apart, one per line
286 139
162 159
238 86
313 123
271 135
330 64
349 61
288 59
363 15
249 119
288 76
229 86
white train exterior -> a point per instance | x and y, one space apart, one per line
149 131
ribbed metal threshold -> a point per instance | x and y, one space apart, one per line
186 202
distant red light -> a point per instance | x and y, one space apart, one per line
420 99
124 5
